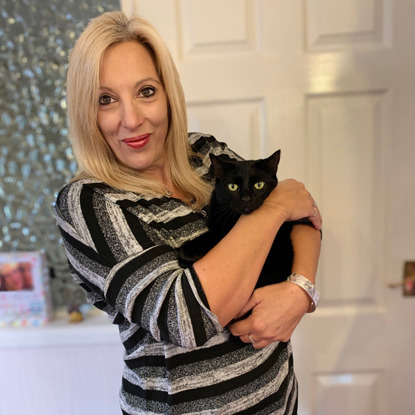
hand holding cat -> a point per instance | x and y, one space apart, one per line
292 199
276 311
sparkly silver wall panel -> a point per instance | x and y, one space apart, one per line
35 155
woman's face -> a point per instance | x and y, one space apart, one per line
133 114
13 278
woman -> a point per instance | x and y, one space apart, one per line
138 196
12 278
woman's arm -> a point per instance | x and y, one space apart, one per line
127 267
229 272
306 242
277 309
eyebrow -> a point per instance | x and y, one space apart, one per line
142 81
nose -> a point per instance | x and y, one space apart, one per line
132 115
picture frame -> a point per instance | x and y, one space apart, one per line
24 289
409 279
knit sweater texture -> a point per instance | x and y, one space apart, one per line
122 248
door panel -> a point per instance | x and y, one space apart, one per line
242 120
346 159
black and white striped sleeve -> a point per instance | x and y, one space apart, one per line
128 269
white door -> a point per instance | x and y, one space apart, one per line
331 83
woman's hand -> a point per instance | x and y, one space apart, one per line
292 199
276 311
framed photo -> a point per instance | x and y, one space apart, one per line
24 289
409 279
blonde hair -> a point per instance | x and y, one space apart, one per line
94 156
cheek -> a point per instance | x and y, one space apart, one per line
105 123
160 114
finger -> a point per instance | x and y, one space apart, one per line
241 328
260 344
255 341
248 338
316 218
316 221
246 308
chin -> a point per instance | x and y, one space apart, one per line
139 165
244 211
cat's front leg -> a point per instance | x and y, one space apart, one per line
195 249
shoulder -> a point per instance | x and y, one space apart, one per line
205 144
200 139
77 195
70 198
95 188
74 189
89 197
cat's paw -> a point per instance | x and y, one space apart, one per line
184 263
188 255
193 250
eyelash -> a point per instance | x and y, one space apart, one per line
106 99
146 89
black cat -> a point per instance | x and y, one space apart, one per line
240 188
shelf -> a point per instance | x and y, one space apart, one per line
95 329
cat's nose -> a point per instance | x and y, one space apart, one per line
245 198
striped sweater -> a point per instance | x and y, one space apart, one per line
122 249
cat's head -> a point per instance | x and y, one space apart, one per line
244 185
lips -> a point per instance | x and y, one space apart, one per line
137 142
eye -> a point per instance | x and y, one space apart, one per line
106 99
259 185
232 187
147 92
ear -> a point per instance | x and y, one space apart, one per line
273 160
217 165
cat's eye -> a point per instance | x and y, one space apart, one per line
259 185
232 187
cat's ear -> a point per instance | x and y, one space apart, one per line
274 160
217 165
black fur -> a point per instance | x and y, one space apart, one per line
240 188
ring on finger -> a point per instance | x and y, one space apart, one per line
315 211
250 338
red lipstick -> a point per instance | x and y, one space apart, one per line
137 142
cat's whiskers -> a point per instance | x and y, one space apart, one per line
225 216
224 211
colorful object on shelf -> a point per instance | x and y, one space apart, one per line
24 289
